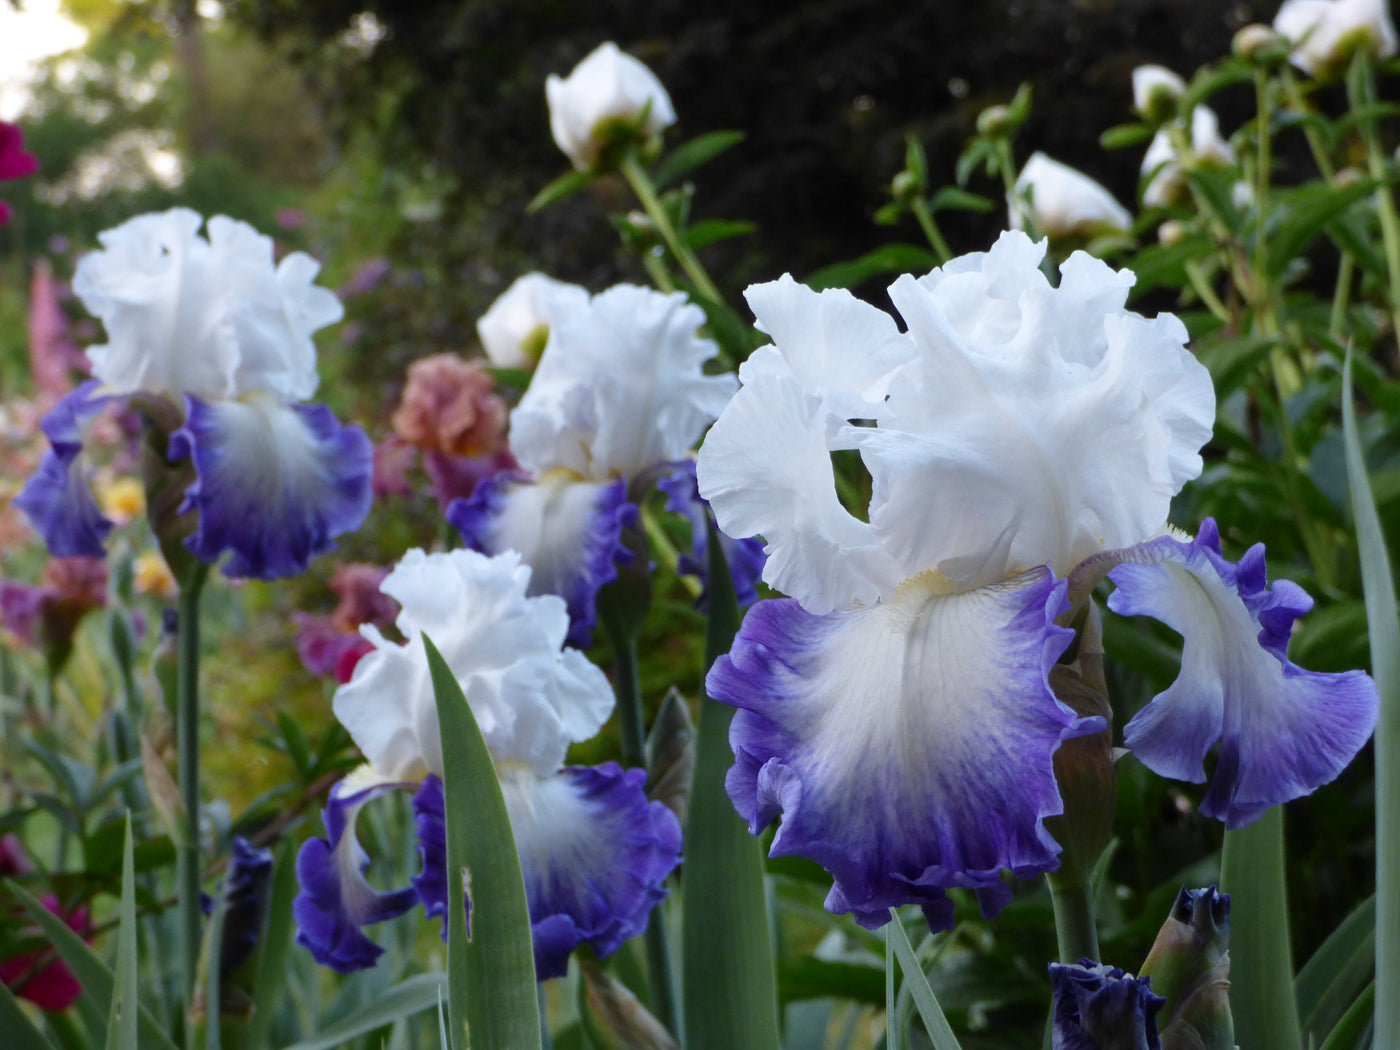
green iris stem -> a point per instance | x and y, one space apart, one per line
187 742
1264 304
1341 297
1361 92
1073 900
632 729
1261 994
921 211
1007 165
637 177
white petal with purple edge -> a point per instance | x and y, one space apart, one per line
1283 731
594 853
335 899
908 745
567 530
276 482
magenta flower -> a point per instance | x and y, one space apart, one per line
15 163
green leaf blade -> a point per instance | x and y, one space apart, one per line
690 155
1383 625
122 1011
730 992
491 974
937 1026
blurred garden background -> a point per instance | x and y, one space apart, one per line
400 143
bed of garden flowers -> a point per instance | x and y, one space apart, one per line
934 668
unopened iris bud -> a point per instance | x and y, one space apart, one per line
1102 1008
1190 965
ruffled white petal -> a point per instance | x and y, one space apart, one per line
620 387
504 648
1051 412
210 318
840 349
765 468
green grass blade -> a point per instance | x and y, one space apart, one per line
92 973
730 988
1337 972
122 1012
1384 627
404 999
894 1033
491 975
1351 1030
937 1026
270 984
1261 977
20 1033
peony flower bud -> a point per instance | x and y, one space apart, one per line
1326 33
1156 90
515 329
1063 202
609 98
1260 45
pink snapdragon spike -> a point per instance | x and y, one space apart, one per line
1023 440
15 163
207 331
331 646
594 851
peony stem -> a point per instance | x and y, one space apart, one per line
641 184
187 737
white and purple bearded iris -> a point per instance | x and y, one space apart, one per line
1023 441
617 401
594 851
209 336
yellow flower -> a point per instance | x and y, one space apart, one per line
121 499
153 576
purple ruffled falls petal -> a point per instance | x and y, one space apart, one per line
1283 731
744 557
335 900
1099 1007
276 482
568 531
594 852
430 822
58 499
909 745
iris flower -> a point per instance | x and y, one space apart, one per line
616 403
593 850
213 343
1023 440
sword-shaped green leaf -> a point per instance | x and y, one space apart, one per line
491 974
